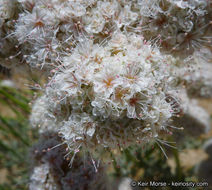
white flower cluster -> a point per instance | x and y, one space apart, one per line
47 30
41 117
109 85
180 27
109 96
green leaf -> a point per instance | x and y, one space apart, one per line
12 130
16 101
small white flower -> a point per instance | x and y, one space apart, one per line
31 26
94 22
70 9
108 9
41 117
126 17
149 8
78 127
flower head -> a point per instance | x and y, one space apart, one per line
108 96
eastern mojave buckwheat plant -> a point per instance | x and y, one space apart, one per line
109 96
120 72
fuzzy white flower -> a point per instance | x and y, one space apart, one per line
112 95
71 9
78 127
126 17
108 86
35 24
108 9
192 4
149 8
94 22
41 117
181 27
